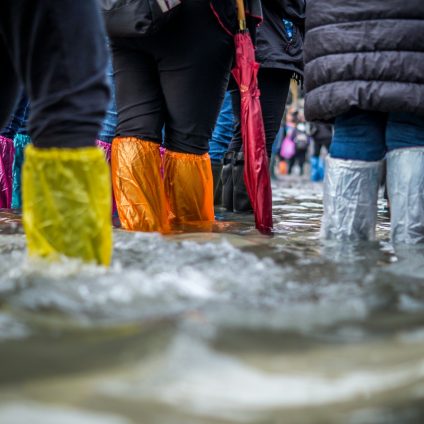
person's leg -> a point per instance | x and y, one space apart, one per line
194 56
316 174
405 177
58 51
9 89
218 145
9 82
301 158
274 86
234 148
352 176
136 161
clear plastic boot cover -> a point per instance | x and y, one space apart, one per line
350 199
405 185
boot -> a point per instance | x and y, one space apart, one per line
20 141
241 201
405 185
217 183
316 173
350 199
189 187
7 153
227 181
66 197
138 185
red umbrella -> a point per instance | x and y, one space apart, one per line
256 168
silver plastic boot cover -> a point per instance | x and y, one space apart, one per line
350 199
405 187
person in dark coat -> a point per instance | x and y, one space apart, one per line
364 70
279 42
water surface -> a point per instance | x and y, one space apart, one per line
214 328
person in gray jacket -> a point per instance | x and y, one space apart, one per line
364 70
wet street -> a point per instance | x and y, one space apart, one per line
213 328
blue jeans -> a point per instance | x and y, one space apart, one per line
367 136
18 121
223 132
107 133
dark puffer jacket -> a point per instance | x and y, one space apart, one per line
274 47
364 54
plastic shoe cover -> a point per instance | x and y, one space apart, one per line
7 152
138 185
20 141
405 185
321 169
66 203
316 169
189 187
106 148
350 199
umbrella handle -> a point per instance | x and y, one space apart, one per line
241 15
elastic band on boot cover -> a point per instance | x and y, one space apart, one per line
7 153
138 185
405 186
66 203
350 199
189 187
20 141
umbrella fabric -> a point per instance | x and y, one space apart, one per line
256 170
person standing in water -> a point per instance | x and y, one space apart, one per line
56 51
365 71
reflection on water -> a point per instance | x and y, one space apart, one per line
222 327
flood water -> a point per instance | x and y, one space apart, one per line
214 328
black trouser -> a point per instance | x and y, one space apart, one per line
317 145
56 50
174 79
274 86
300 158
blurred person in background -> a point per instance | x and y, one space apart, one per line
299 134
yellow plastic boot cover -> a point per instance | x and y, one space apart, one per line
66 203
138 185
189 187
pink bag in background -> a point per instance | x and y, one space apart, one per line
288 148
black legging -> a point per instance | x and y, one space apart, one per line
57 51
274 86
175 79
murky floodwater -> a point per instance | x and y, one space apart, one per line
225 327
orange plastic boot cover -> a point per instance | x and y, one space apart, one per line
189 187
138 185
